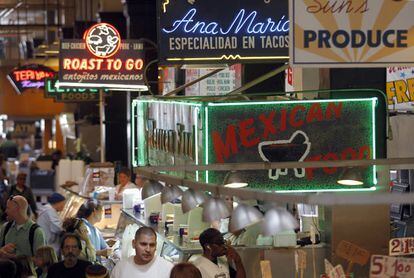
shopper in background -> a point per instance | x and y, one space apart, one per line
124 177
210 264
21 189
91 213
185 270
144 263
50 221
78 227
7 268
9 148
71 266
140 181
19 236
96 271
44 258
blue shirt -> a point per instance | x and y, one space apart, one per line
95 236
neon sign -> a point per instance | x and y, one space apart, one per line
102 40
245 30
29 76
240 22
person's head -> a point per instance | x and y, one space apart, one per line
21 179
76 226
44 257
57 201
16 208
7 268
71 247
140 180
24 266
8 136
145 244
91 210
96 271
212 242
124 176
185 270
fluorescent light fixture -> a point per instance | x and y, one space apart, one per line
204 66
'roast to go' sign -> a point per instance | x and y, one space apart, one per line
265 131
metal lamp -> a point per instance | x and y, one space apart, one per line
233 179
215 209
169 193
351 176
151 188
244 216
192 199
278 220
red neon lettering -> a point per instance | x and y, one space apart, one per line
315 113
222 149
269 128
283 119
292 119
24 75
309 171
364 152
246 131
333 108
330 156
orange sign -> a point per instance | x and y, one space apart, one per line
352 252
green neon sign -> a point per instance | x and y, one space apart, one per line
276 131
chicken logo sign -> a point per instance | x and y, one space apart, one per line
102 40
295 149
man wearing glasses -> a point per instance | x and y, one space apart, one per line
211 265
19 236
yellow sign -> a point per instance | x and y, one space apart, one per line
371 33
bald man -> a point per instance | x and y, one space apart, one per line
19 236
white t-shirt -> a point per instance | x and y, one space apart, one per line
209 269
157 268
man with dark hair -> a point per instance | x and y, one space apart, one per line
71 266
21 189
211 265
124 178
50 221
9 147
144 263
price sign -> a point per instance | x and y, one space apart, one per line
300 259
384 266
337 272
401 246
352 253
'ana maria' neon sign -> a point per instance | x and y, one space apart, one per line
242 22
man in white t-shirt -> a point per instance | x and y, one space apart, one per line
144 263
211 265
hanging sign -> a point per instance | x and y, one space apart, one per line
400 88
185 133
29 77
69 94
211 31
102 60
351 33
391 267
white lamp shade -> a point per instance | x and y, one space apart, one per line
244 216
215 209
278 220
192 199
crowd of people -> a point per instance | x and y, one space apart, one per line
36 242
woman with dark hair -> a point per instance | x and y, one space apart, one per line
44 257
78 227
185 270
91 213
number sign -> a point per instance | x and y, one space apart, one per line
384 266
402 246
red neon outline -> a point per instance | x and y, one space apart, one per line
86 34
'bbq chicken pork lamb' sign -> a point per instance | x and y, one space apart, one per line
102 60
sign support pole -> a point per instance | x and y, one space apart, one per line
102 123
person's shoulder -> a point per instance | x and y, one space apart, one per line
55 267
164 262
84 263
